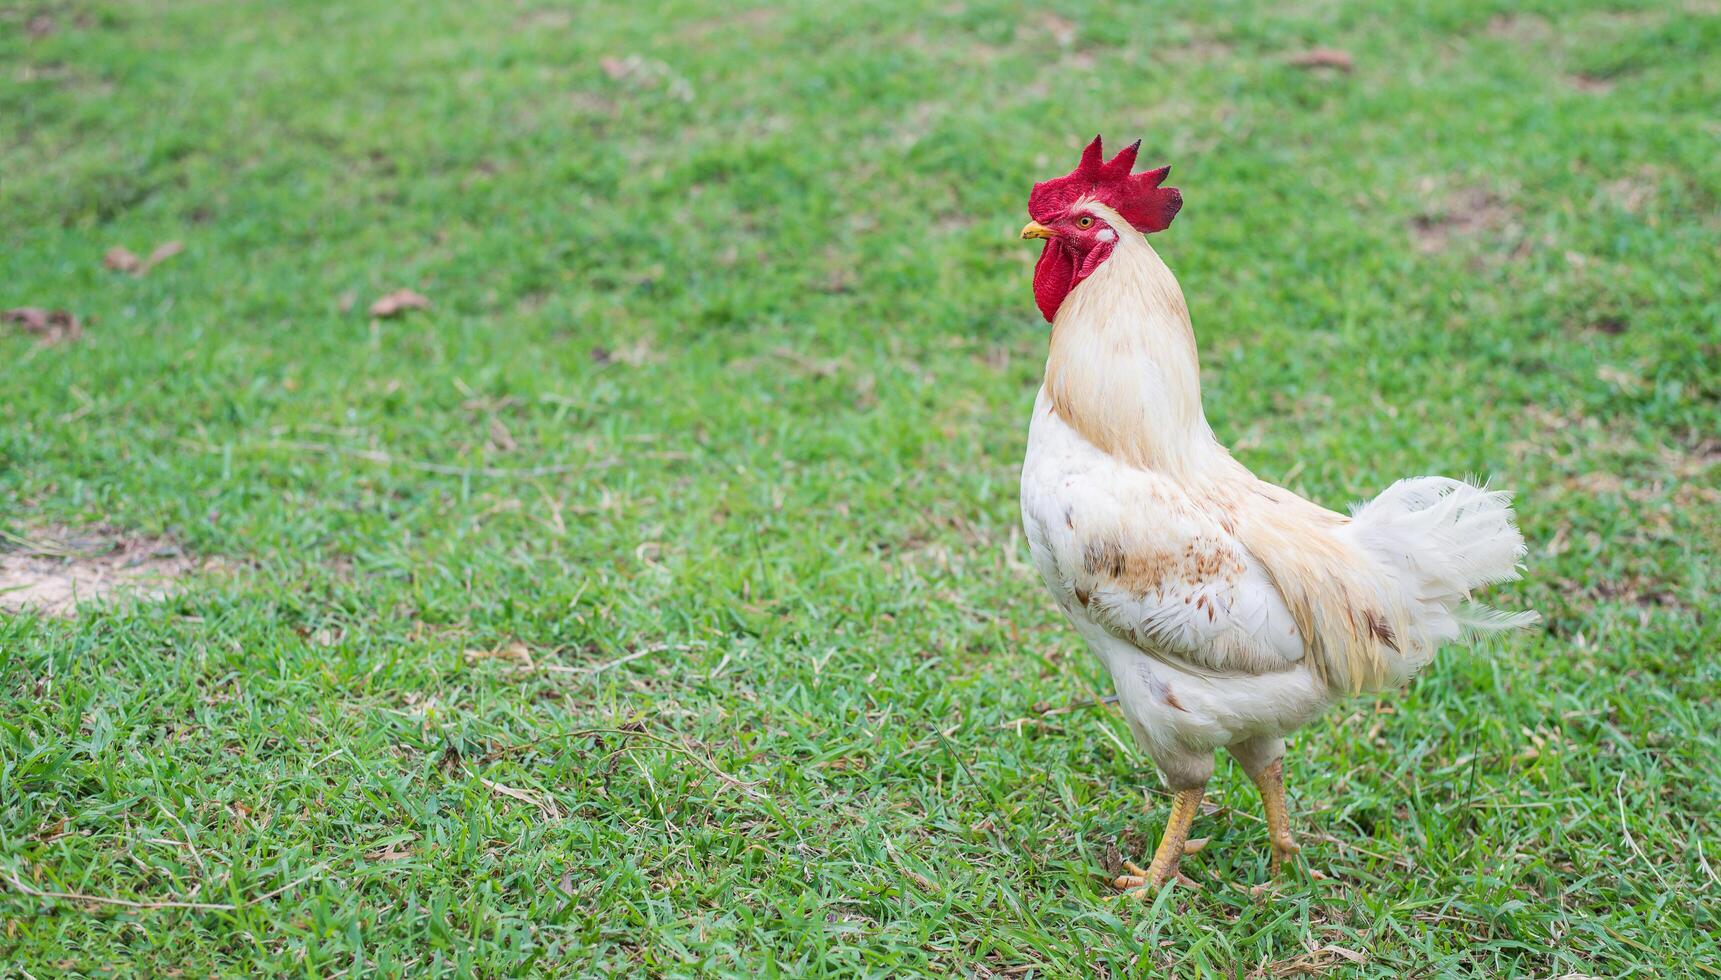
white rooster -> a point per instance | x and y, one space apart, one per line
1229 611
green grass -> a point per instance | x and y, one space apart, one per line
728 372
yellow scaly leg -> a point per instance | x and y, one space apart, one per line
1271 782
1143 883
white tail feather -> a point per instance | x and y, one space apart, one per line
1437 539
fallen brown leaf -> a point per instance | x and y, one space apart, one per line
52 326
1314 963
163 252
516 651
325 636
545 805
347 301
120 259
397 302
392 852
501 439
51 832
1322 58
1349 954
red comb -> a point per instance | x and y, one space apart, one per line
1138 197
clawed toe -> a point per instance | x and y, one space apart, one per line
1143 887
1285 849
1144 883
1139 879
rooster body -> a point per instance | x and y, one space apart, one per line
1227 610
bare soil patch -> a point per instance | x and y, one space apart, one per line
1465 214
57 571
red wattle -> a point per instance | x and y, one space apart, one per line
1054 277
1060 269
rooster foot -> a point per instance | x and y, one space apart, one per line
1143 883
1285 850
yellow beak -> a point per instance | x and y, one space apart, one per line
1034 229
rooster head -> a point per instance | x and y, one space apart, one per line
1077 237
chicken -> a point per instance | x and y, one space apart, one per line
1227 610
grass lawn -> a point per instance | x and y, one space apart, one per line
654 601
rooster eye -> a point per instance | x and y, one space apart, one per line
1084 222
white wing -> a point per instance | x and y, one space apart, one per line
1148 562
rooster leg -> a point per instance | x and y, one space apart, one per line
1142 883
1271 782
1263 759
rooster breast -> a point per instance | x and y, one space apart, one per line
1200 645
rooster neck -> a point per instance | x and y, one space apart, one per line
1122 367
